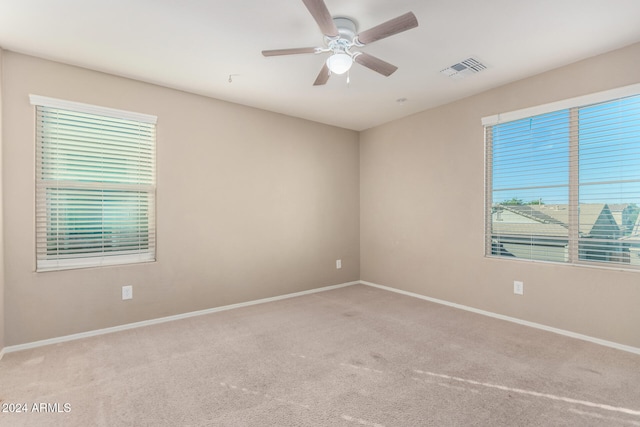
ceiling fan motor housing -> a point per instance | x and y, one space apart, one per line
347 29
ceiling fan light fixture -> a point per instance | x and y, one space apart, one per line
339 63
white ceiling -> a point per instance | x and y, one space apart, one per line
194 45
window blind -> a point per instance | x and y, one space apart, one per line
95 193
564 185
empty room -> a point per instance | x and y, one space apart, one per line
319 213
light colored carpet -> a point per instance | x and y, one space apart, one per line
356 356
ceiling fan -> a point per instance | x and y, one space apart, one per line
340 36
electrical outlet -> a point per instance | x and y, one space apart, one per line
338 263
518 287
127 292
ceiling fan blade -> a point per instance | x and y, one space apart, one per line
394 26
375 64
320 13
294 51
323 76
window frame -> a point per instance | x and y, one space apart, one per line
104 258
572 105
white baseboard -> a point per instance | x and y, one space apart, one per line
599 341
26 346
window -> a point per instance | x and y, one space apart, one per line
95 185
563 181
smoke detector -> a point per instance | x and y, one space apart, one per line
464 68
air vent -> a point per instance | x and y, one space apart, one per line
464 68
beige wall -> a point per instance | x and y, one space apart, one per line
253 204
250 204
1 221
422 212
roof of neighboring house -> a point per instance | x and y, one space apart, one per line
618 207
621 212
635 233
552 220
538 213
546 230
591 213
